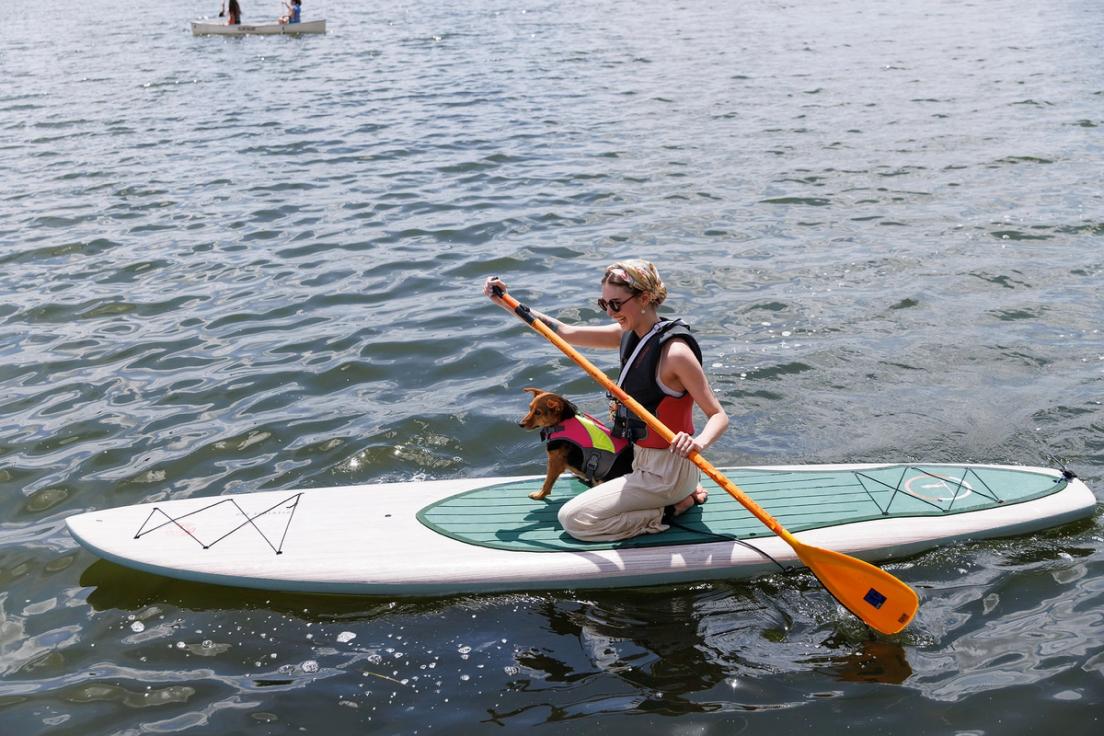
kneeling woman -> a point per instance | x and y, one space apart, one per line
661 367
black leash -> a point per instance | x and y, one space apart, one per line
725 538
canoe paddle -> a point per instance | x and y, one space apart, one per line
882 601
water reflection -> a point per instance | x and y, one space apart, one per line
119 588
876 660
676 652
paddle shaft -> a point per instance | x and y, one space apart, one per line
524 313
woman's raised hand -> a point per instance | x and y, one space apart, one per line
488 290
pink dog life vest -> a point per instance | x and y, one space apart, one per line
600 450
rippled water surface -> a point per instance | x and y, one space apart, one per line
230 265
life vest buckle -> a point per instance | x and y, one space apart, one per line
591 468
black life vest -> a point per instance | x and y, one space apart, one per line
640 382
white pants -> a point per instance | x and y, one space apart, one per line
632 504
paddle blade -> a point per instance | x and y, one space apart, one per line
882 601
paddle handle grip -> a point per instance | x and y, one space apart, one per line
526 315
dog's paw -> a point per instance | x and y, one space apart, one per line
539 495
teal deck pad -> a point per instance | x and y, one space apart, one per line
504 517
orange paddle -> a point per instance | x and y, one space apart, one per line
882 601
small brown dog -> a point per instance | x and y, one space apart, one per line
574 441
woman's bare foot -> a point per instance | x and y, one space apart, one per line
697 498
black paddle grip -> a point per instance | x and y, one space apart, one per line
520 310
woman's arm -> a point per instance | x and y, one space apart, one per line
680 364
608 336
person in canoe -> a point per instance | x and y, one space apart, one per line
294 12
661 367
232 14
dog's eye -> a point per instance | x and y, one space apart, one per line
537 412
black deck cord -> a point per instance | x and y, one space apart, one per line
1066 472
249 521
1052 458
725 538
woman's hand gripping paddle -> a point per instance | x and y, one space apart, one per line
882 601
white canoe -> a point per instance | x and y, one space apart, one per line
485 534
213 28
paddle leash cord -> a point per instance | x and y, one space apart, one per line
727 538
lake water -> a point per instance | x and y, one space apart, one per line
230 265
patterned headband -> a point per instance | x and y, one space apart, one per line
622 275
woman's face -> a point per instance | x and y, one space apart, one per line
628 302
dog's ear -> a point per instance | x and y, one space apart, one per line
533 390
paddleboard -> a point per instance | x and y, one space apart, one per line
484 534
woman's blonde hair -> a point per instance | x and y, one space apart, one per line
638 275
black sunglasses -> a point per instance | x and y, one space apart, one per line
615 305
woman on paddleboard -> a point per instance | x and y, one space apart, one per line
661 367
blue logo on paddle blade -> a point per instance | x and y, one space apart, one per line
874 598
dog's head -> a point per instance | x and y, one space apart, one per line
546 410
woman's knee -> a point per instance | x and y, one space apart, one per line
566 517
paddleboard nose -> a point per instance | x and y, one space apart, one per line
82 527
